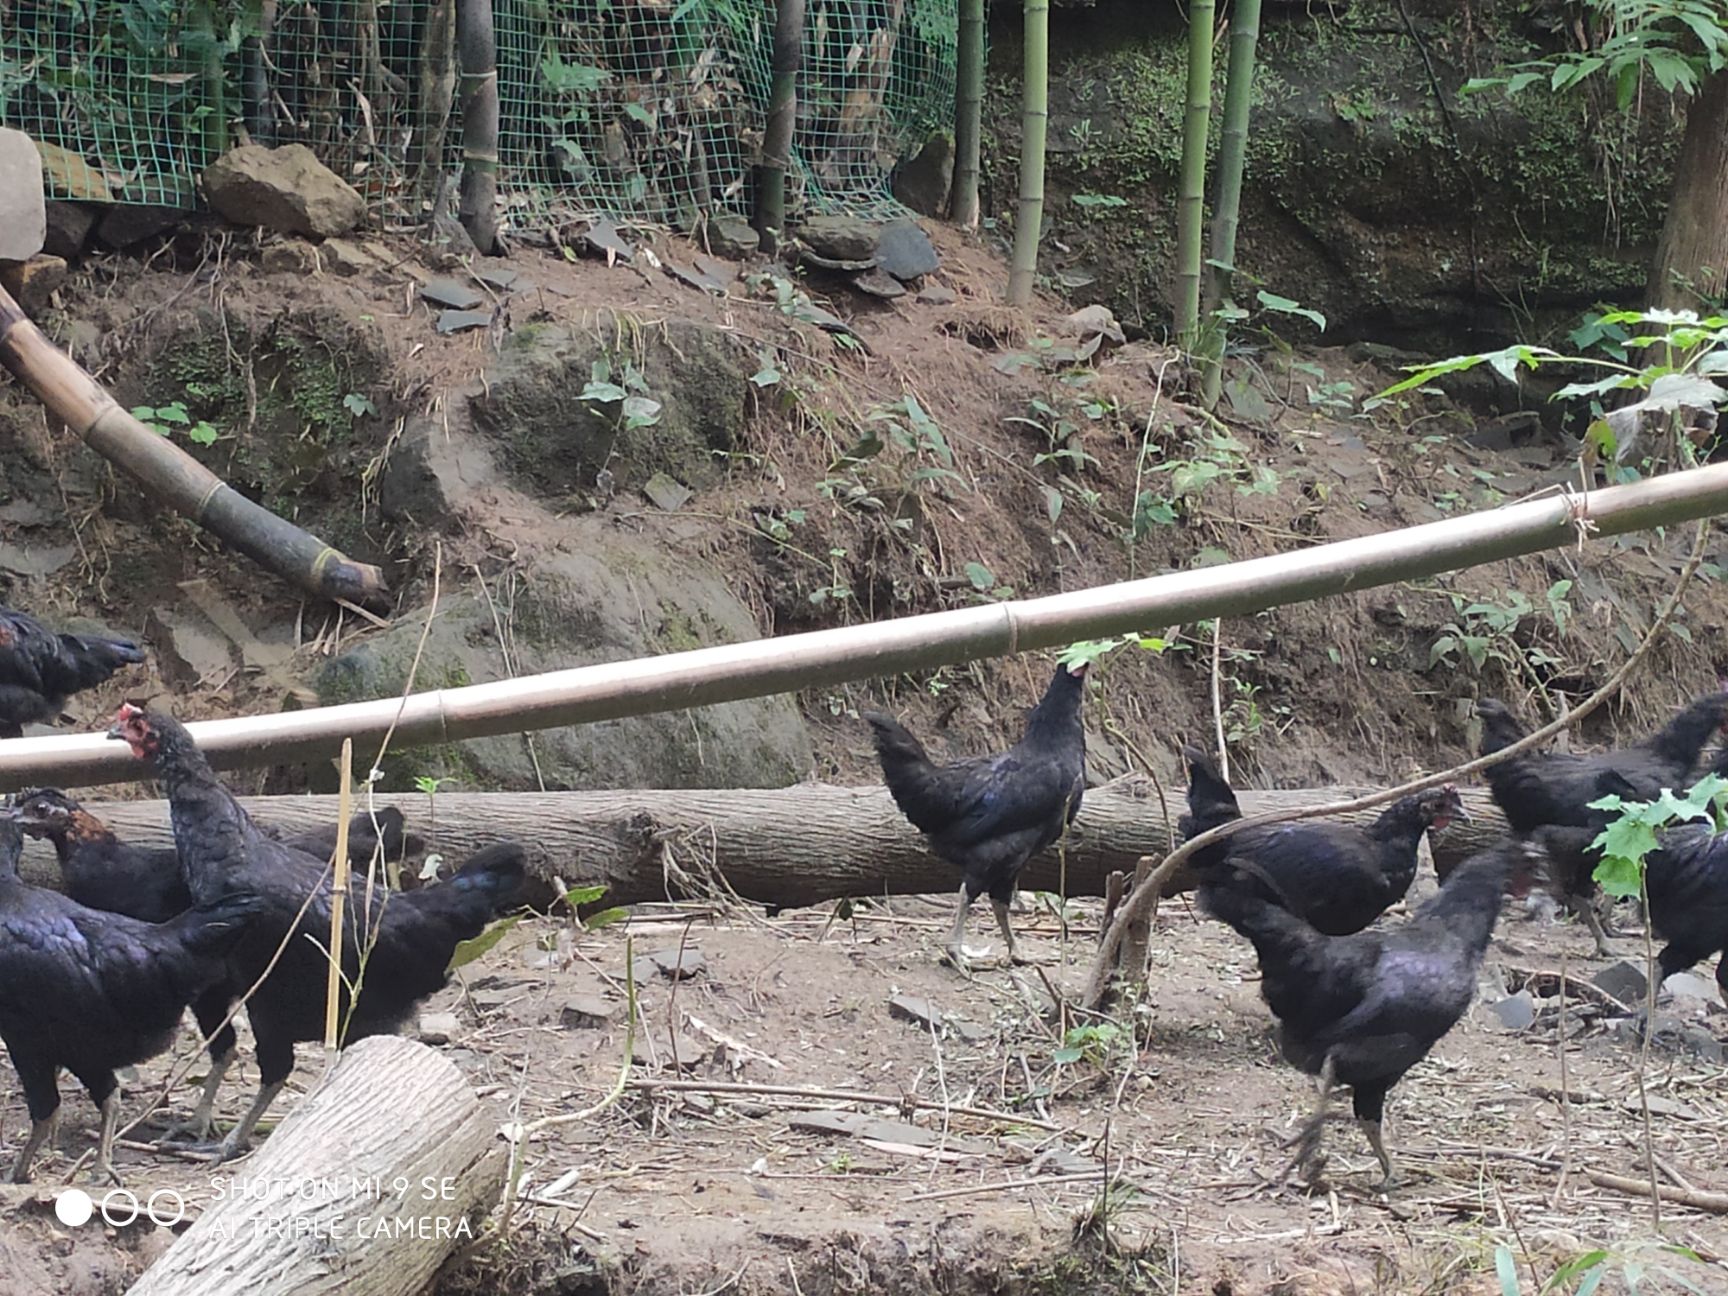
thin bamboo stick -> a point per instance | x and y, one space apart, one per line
705 676
338 901
173 477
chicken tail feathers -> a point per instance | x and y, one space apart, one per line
909 773
214 928
492 875
1682 739
93 658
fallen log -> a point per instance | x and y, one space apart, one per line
365 1188
783 847
173 477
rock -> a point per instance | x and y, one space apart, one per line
1625 981
679 965
23 205
69 176
286 189
721 272
920 1012
127 226
69 226
937 295
35 560
290 256
188 650
461 321
344 258
555 442
452 293
844 238
1517 1012
433 477
733 237
32 283
878 283
905 251
1095 321
665 493
695 279
924 183
587 1012
1689 985
438 1027
603 240
500 277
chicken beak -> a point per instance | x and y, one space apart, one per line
1461 815
114 731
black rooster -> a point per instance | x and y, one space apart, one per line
408 937
1338 877
990 814
1554 789
39 669
1361 1010
103 872
89 992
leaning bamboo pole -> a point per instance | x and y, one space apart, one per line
705 676
172 476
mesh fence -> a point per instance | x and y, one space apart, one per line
650 110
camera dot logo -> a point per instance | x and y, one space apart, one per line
74 1207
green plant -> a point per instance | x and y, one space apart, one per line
1626 842
1489 631
1093 1042
161 419
636 408
1638 1263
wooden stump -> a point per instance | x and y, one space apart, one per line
365 1189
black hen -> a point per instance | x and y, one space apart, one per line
1338 877
1554 789
1361 1010
103 872
990 814
39 669
89 992
409 936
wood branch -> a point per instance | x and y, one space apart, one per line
173 477
365 1188
784 847
1694 1197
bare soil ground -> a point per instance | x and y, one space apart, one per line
1496 1132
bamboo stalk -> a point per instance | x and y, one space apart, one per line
1035 121
436 94
171 476
782 120
1191 197
338 900
260 118
1232 156
968 114
731 672
477 51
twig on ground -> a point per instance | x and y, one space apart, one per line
1715 1202
905 1101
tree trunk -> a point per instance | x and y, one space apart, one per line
1191 196
172 477
477 50
782 124
435 93
968 114
1232 156
785 847
1034 124
1692 255
365 1188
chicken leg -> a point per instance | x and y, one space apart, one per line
1377 1141
1310 1159
240 1137
1014 956
40 1132
197 1126
1582 906
104 1167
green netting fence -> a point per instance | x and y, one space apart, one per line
650 110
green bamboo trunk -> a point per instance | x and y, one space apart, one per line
782 120
477 52
1232 154
1035 119
968 114
1191 198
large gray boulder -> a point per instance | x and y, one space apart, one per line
617 598
23 212
286 189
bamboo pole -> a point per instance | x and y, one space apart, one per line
1191 198
173 477
1232 157
338 902
782 120
477 51
968 114
758 668
260 113
1035 121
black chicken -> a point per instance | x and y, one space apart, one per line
1339 877
89 992
1538 789
103 872
1363 1009
408 937
39 669
988 815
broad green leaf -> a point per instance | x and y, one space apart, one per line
1066 1056
982 577
1618 876
201 433
766 376
605 918
1285 306
469 950
1052 503
581 895
1507 1268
